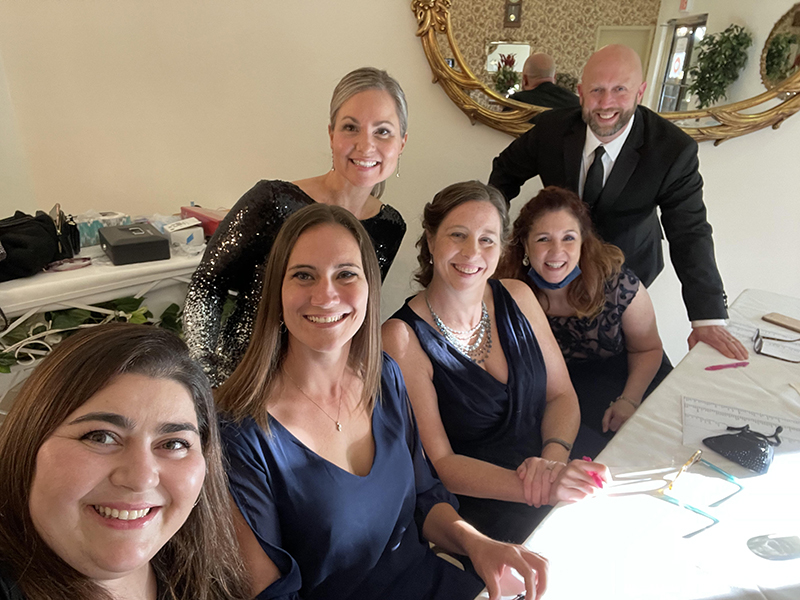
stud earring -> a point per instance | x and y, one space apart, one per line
526 261
430 260
397 174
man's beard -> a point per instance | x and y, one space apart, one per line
609 130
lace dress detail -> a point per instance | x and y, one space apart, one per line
582 339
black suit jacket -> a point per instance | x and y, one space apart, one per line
656 169
548 95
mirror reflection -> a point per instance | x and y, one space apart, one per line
570 31
567 31
781 55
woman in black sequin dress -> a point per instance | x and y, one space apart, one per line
368 122
601 316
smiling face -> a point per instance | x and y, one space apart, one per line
553 245
467 245
610 90
119 477
325 290
366 138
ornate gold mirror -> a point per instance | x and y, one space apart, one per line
780 58
482 104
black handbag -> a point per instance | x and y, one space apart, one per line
751 449
29 243
69 238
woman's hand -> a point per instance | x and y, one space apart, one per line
538 475
578 480
491 559
616 414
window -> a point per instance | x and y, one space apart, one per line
687 33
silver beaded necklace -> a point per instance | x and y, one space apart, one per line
476 351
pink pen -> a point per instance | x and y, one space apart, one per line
597 480
743 363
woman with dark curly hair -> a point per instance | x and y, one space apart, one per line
111 478
601 316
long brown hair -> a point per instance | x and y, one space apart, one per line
599 261
247 391
437 209
201 560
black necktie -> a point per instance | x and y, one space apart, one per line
594 178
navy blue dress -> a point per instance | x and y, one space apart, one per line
487 420
334 535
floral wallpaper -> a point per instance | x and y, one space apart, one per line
564 29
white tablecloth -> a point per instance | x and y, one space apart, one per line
631 546
100 282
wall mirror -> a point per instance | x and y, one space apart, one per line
454 40
780 58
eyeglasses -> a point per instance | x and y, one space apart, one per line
777 347
662 493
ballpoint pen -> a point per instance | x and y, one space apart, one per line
734 365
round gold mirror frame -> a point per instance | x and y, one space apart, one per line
433 16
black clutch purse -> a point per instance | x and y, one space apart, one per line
751 449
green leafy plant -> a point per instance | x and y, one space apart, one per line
778 63
40 332
506 78
720 58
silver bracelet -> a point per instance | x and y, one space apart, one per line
624 399
555 440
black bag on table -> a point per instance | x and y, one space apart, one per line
751 449
29 243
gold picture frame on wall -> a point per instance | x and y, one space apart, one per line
483 105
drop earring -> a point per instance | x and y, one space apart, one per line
333 165
397 173
526 261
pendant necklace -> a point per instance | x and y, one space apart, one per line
476 351
338 412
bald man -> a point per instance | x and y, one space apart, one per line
539 84
646 165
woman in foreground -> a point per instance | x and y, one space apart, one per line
334 492
367 130
497 413
601 316
111 476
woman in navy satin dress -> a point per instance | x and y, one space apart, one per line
335 497
497 412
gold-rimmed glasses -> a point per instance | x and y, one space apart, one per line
663 492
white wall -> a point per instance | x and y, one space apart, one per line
144 106
15 185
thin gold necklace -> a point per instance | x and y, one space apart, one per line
338 412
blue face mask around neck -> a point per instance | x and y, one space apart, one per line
546 285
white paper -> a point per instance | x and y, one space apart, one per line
702 419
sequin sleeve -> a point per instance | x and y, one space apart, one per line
235 260
386 230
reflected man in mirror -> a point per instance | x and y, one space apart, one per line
539 84
627 163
